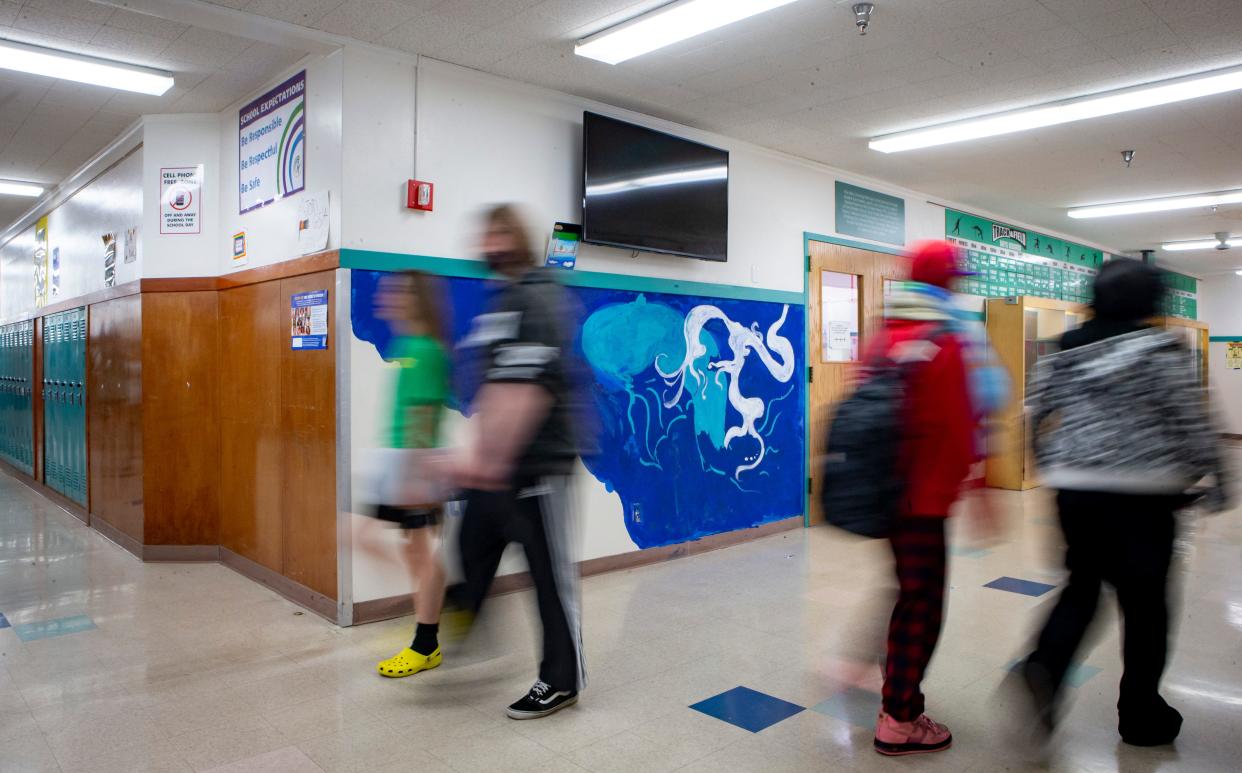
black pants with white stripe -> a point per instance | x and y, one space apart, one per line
536 516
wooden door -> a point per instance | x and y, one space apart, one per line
837 273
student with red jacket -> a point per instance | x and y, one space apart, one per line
937 450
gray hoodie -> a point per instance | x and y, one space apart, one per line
1126 414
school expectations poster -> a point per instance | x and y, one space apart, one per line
272 145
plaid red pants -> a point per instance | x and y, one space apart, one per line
919 552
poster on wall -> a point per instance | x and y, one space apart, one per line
313 223
870 214
563 246
309 313
181 189
1233 355
131 244
271 145
42 270
55 283
239 249
109 262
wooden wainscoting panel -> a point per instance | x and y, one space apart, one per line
308 431
114 434
254 330
181 451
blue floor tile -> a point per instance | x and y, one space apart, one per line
747 708
1024 587
1077 675
49 628
856 706
4 621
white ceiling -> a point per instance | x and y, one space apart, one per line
49 128
798 79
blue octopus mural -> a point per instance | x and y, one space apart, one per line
699 402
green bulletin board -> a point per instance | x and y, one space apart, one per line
1016 261
1182 300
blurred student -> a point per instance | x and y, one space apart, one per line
938 446
407 302
1122 433
516 471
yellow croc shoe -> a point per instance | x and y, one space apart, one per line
407 662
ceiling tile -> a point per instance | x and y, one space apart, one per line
263 58
428 33
70 93
54 25
128 42
367 19
151 25
235 4
481 13
303 12
1143 39
74 9
8 12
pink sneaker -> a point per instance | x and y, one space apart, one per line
895 739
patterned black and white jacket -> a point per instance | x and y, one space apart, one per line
1126 414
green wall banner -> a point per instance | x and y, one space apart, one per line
1182 300
1009 260
870 214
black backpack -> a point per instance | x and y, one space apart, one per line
862 485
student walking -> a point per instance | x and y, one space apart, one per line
1122 433
516 471
409 495
937 449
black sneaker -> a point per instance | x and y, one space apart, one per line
541 701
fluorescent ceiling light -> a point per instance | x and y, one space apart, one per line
83 69
1166 204
1092 106
19 189
1199 244
667 25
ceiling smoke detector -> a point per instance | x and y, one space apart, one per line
862 16
1222 240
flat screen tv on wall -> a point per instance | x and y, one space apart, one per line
651 191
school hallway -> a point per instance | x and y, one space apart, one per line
110 664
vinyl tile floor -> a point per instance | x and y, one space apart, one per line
108 664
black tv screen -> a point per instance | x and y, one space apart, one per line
647 190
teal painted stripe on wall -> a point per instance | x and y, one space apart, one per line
1224 339
474 269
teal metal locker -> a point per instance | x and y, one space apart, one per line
64 403
16 417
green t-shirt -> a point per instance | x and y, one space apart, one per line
422 389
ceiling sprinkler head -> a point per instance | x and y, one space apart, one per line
1222 237
862 16
1127 156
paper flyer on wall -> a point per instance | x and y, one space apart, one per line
563 246
309 314
109 244
1233 355
313 223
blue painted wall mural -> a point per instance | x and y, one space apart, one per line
699 400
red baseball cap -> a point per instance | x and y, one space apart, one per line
936 262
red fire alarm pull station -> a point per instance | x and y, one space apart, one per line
419 195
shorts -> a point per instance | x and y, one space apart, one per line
408 517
